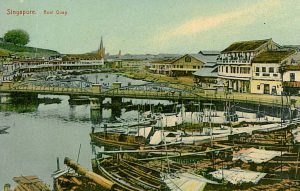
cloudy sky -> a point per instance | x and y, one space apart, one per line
152 26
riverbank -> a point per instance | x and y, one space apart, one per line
146 76
187 83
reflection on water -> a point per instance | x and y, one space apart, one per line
48 131
40 132
35 139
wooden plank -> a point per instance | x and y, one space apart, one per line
30 183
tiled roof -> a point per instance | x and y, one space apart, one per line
272 56
243 46
205 58
209 52
79 56
163 61
207 72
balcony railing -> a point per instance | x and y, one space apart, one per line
291 84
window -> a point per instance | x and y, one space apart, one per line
264 69
258 87
181 66
242 70
188 59
247 70
256 74
194 67
271 70
292 77
257 69
233 70
226 69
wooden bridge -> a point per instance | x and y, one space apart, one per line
159 91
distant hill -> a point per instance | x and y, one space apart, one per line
26 50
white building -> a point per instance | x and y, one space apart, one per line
266 67
234 63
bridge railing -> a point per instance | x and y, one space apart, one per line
35 88
158 94
150 94
246 97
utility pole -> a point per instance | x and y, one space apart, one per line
281 70
296 173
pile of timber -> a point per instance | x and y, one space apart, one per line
30 183
92 177
74 182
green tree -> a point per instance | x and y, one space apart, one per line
17 36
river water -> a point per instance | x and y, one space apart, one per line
47 131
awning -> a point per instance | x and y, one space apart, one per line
238 176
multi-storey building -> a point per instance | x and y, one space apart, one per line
185 65
234 63
66 62
162 66
291 76
267 71
207 76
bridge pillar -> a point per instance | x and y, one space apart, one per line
116 104
7 85
96 88
96 116
7 187
116 85
5 98
95 103
19 97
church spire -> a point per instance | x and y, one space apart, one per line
101 51
101 44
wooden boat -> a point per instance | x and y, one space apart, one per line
81 179
131 176
115 139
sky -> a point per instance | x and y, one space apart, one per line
152 26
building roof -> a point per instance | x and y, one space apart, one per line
210 59
88 56
205 58
272 56
163 61
244 46
296 47
209 52
206 72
